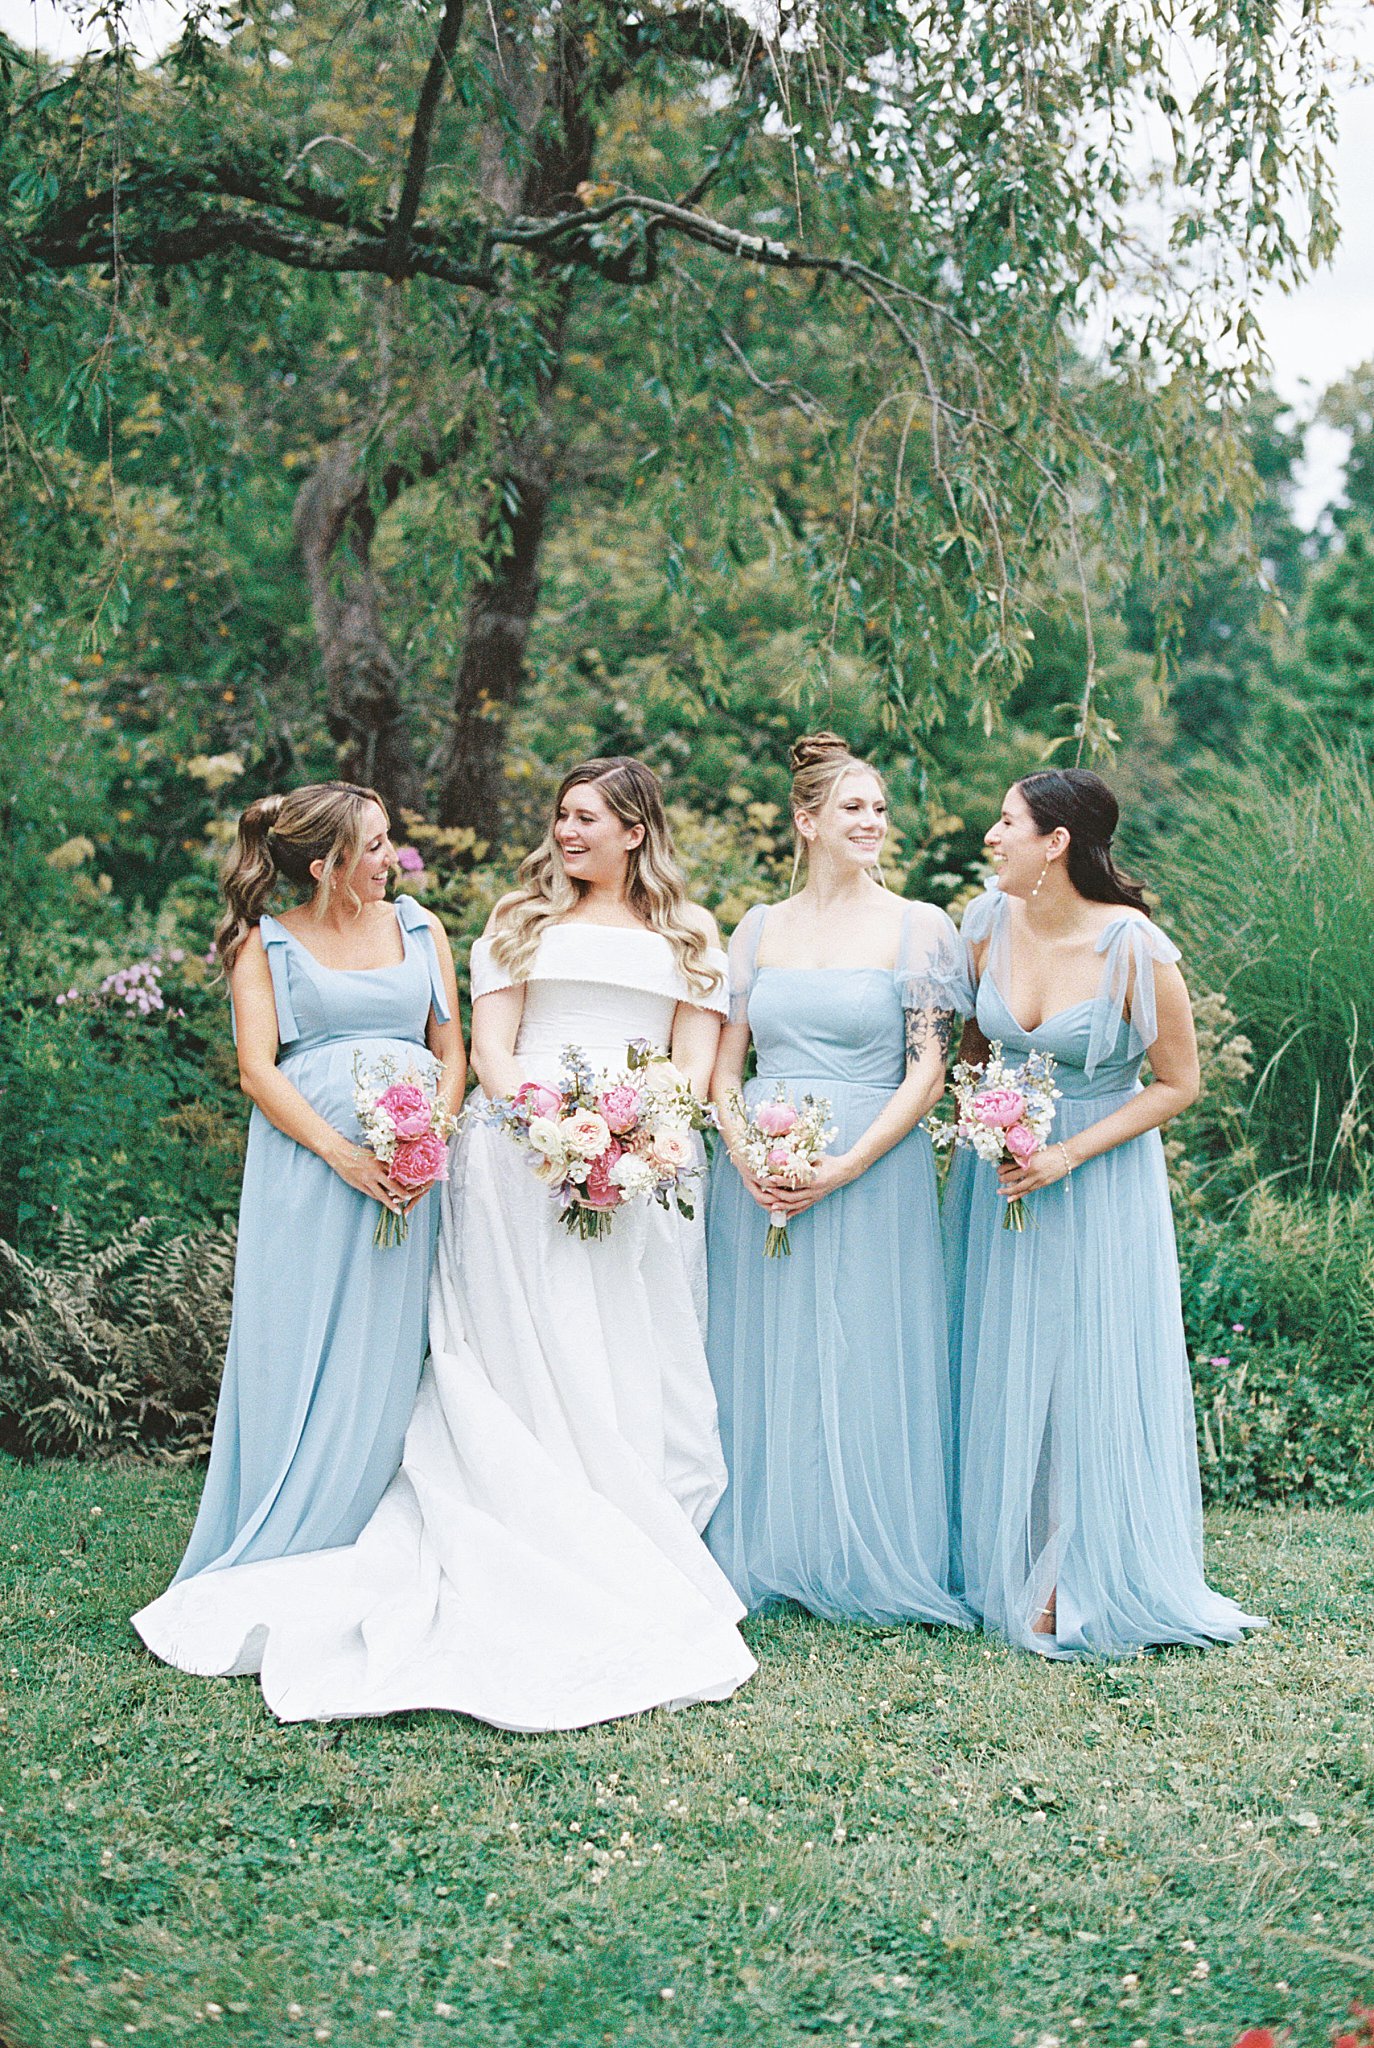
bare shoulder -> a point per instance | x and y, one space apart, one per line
700 919
1117 913
251 958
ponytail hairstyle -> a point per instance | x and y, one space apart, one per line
819 762
1082 803
281 836
655 887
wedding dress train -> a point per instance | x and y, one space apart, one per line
536 1561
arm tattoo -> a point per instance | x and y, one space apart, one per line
925 1028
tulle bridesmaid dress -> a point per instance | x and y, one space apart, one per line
328 1331
1078 1453
830 1367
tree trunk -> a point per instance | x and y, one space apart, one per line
501 609
363 705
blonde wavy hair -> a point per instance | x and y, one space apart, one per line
655 888
281 836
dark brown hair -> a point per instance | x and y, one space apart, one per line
1082 803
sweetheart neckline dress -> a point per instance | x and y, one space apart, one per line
1077 1442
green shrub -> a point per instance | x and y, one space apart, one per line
113 1347
1267 871
1278 1302
118 1095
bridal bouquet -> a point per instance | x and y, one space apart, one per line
406 1129
1004 1114
781 1146
602 1140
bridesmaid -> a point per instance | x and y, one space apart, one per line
328 1331
1080 1504
830 1366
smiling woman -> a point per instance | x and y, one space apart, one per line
328 1331
1080 1509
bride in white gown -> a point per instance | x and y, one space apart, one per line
536 1562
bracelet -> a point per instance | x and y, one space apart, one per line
1061 1147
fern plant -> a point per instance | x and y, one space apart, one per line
117 1346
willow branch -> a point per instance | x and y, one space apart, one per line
422 134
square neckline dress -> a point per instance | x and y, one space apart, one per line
831 1367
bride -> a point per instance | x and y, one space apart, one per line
536 1562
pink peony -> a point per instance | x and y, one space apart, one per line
780 1159
1021 1142
1000 1108
775 1119
408 1108
418 1162
537 1098
601 1190
620 1106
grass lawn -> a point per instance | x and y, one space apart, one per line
889 1837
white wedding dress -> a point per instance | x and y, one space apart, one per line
536 1561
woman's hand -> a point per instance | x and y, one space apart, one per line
364 1171
833 1171
1041 1170
765 1197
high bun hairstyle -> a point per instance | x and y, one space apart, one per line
281 836
819 760
1082 803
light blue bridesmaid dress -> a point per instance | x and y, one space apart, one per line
830 1367
1078 1452
328 1331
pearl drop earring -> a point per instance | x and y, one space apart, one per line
1043 872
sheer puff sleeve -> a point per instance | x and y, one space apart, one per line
931 973
744 961
1131 947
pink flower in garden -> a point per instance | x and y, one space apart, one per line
410 860
775 1119
999 1108
408 1107
1021 1142
418 1162
1221 1361
601 1190
536 1098
620 1106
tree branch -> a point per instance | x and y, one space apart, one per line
421 135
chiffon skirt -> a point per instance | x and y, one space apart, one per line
535 1561
832 1378
1077 1448
325 1345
